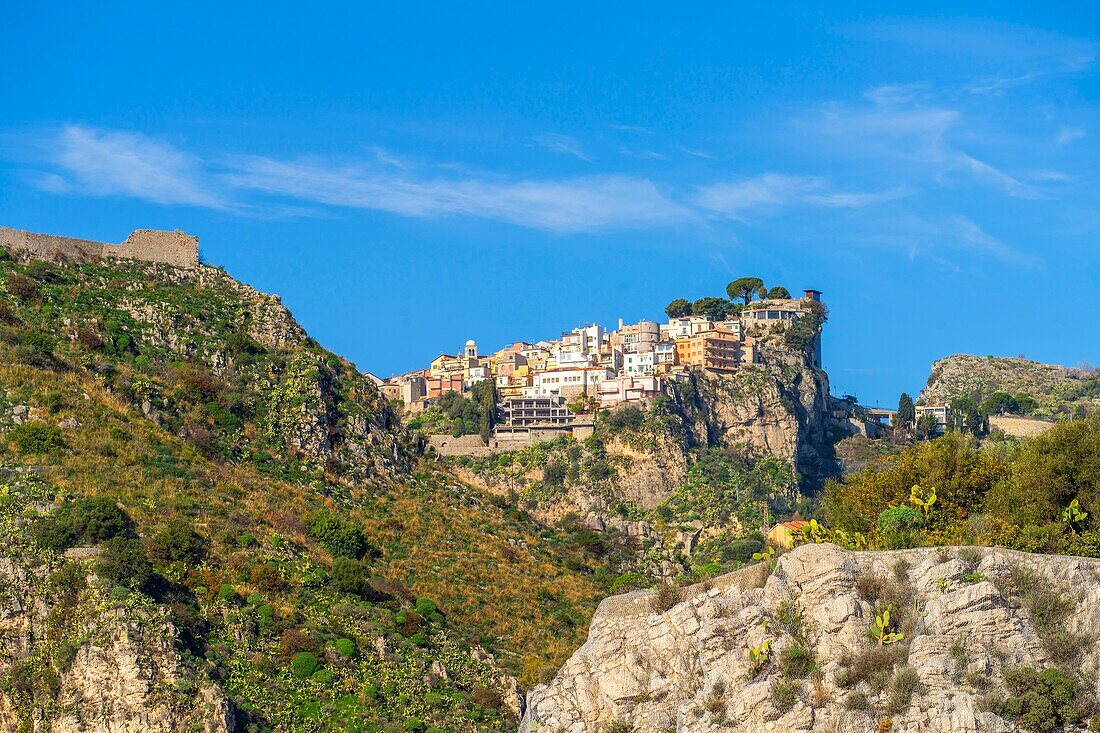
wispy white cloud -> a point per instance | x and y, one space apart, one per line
122 163
973 236
696 153
1069 134
563 144
565 205
104 163
769 192
643 154
895 93
906 132
1014 50
949 241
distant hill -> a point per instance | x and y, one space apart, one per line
1042 390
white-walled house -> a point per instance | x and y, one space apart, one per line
639 364
686 326
568 382
615 391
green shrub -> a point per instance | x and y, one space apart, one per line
664 597
246 540
346 648
304 664
1042 701
796 662
902 686
339 538
627 417
426 608
177 541
784 695
36 438
899 526
82 522
265 620
353 577
122 562
228 593
629 581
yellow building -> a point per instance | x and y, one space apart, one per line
782 534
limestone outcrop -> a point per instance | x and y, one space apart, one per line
974 624
109 665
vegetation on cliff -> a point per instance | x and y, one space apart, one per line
1040 494
267 502
1000 384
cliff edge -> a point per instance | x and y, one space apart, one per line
976 640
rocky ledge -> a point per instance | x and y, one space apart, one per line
978 639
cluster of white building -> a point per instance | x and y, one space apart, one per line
590 367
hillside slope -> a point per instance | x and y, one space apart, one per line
265 508
1056 390
683 480
977 639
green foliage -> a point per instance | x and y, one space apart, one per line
779 292
715 309
664 597
745 288
678 308
36 438
177 541
1048 472
796 661
338 537
346 648
881 630
962 474
903 684
899 527
622 419
85 521
784 695
907 411
721 485
122 562
304 665
628 582
352 577
1042 701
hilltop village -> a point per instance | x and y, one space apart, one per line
546 388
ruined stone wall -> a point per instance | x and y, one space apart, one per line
48 247
152 245
149 245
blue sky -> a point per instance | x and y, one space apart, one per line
410 176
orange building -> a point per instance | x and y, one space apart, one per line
718 350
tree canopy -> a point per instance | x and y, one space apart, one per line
907 413
678 308
779 293
716 309
744 287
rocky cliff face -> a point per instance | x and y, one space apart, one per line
779 409
77 662
992 640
